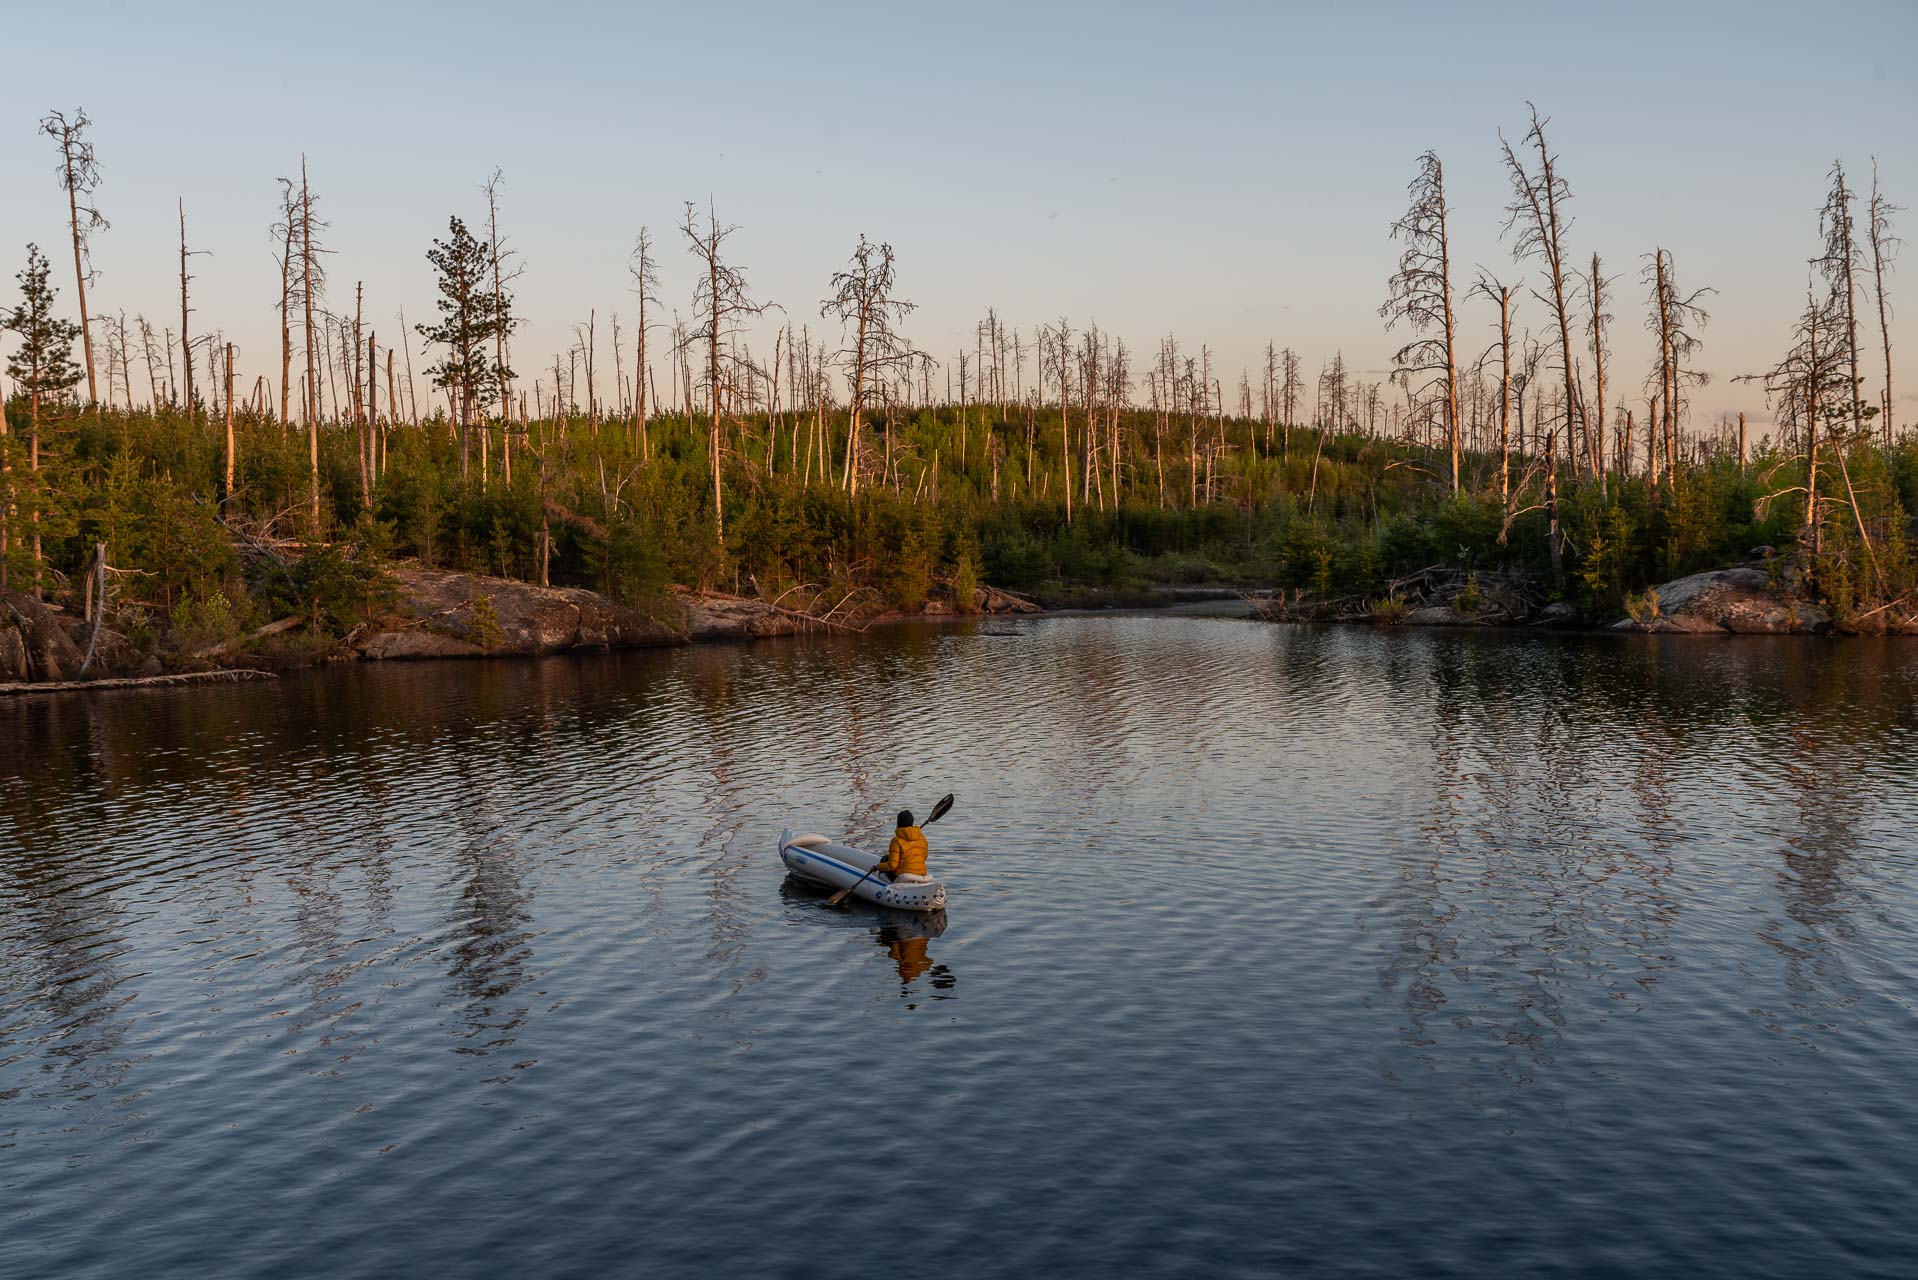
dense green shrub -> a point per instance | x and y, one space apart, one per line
1342 516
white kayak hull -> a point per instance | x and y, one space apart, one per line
838 866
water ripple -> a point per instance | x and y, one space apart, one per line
1269 949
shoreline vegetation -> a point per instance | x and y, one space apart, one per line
164 511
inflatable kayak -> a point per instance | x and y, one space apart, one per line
838 866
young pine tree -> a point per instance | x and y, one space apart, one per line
473 313
43 367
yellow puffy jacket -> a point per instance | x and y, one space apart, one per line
906 855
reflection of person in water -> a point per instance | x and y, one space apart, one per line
910 955
905 941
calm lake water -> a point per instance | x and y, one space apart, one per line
1270 950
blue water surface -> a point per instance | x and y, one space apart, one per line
1270 950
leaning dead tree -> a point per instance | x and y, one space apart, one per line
1420 293
862 301
79 175
721 302
1537 224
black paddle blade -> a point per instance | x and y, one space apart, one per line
938 810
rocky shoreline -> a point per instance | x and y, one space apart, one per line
442 615
460 615
1765 596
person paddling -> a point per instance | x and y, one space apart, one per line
906 855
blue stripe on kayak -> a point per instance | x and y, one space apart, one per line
802 852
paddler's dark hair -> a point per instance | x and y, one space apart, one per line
905 817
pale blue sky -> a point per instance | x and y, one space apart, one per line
1224 171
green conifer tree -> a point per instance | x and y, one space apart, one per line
473 313
42 368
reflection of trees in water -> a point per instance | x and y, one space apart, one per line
1426 943
1520 895
1563 783
1649 861
876 751
491 924
857 761
711 685
58 953
1820 879
1092 694
337 838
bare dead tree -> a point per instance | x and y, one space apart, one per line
312 279
126 360
79 176
619 369
1803 390
1493 289
1839 264
285 233
502 303
721 301
586 338
1884 249
146 351
184 311
1597 296
862 300
1268 392
393 415
1673 316
226 495
1537 224
362 404
412 388
1291 388
1061 339
645 272
1420 294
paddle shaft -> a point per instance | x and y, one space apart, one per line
938 812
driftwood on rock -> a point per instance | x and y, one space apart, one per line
1297 606
266 632
805 618
237 676
1439 596
993 600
